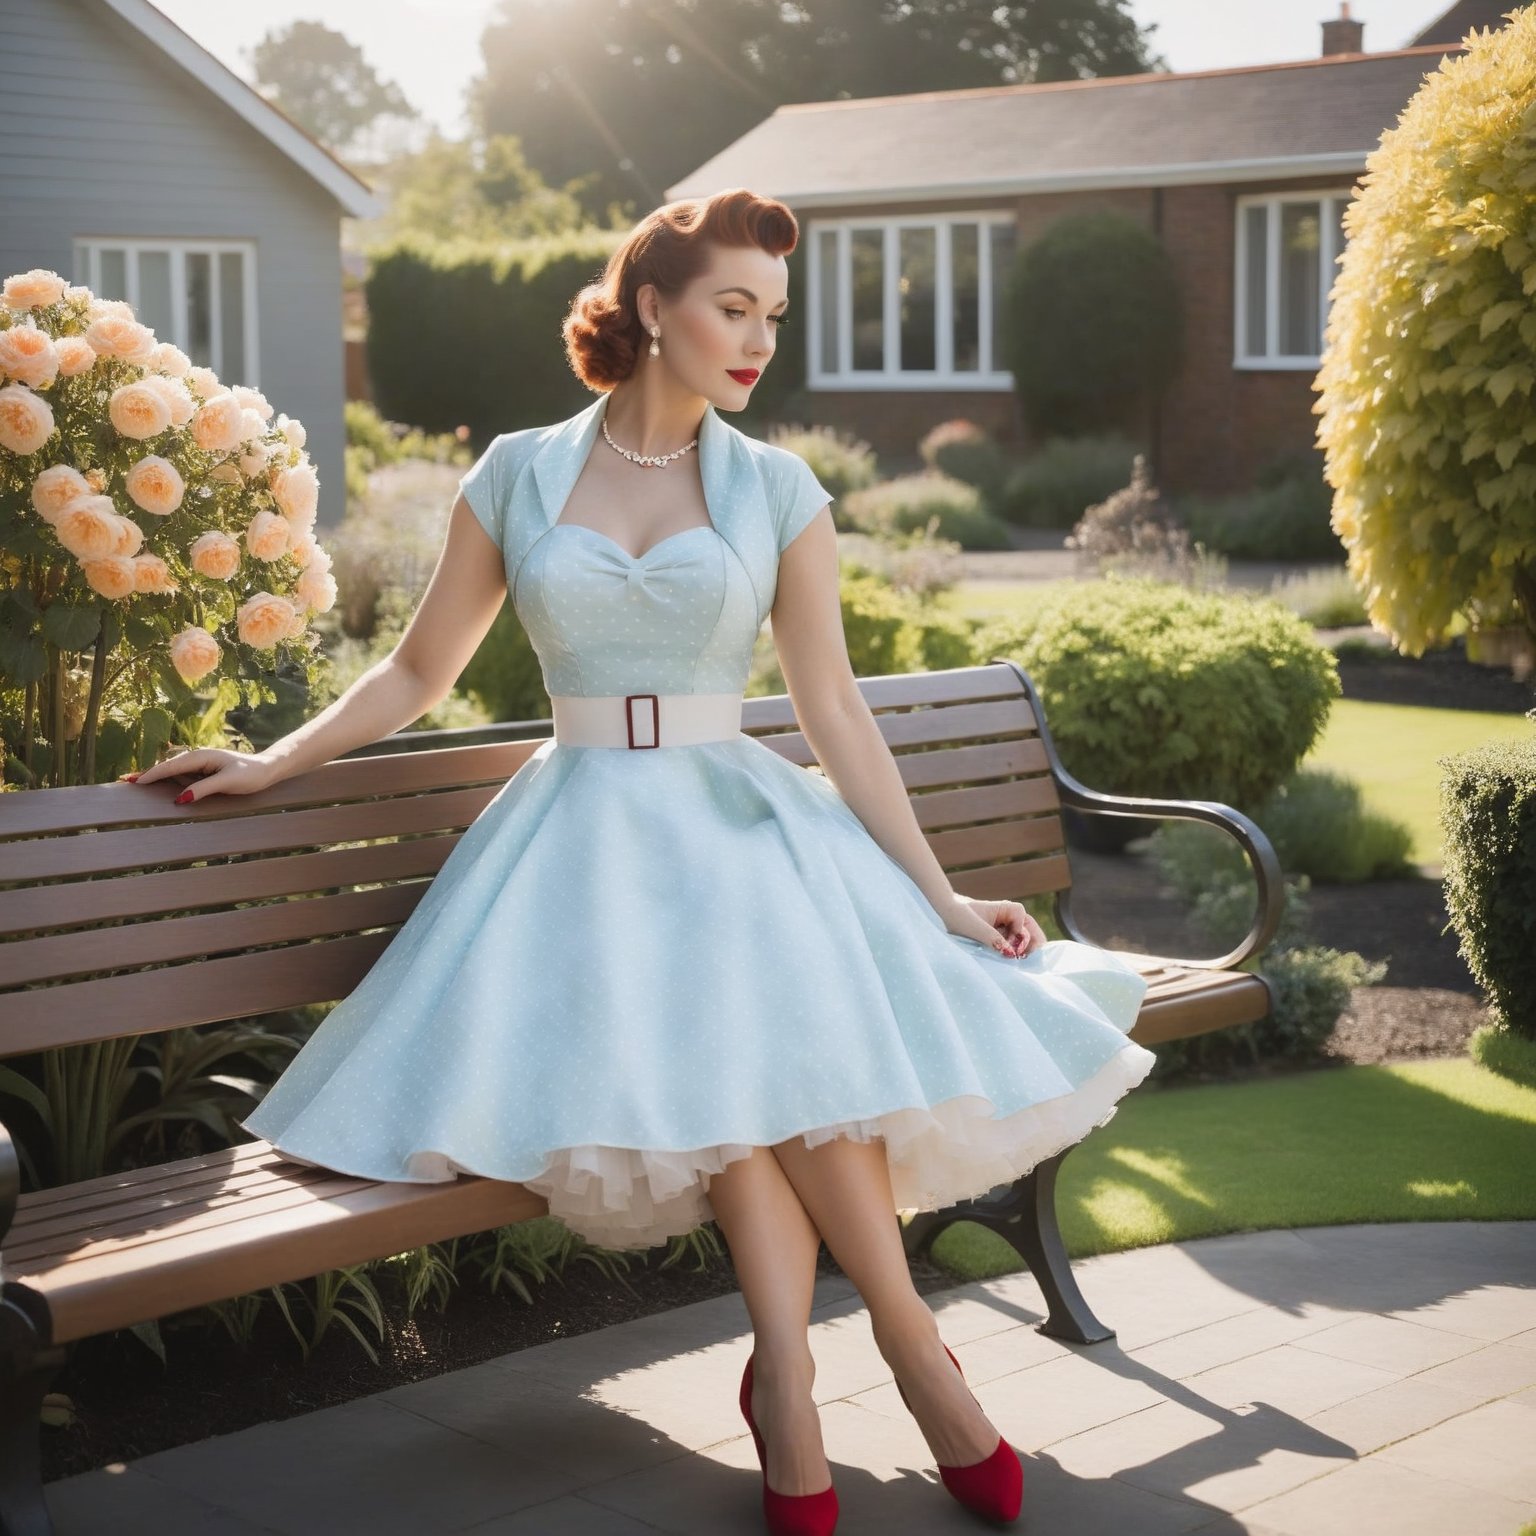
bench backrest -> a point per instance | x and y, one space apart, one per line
122 913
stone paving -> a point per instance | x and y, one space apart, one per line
1328 1381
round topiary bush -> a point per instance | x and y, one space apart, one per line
1156 689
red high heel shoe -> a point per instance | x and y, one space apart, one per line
789 1514
992 1487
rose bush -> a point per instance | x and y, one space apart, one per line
152 516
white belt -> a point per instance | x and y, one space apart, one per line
645 719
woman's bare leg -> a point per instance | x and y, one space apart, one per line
845 1187
773 1246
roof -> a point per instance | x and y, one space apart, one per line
1310 117
1464 17
356 197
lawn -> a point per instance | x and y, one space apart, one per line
1416 1141
1390 751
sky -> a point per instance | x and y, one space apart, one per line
431 48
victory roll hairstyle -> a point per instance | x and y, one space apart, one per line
669 247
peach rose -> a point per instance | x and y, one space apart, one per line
302 548
130 537
32 290
29 356
78 293
88 527
293 431
177 401
55 488
253 400
215 554
253 461
111 575
155 485
152 574
300 623
100 307
316 589
253 426
218 425
297 491
227 472
322 558
169 358
263 619
120 336
205 381
267 536
75 354
194 653
26 420
138 411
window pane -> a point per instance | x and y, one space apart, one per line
199 309
232 317
827 272
155 294
917 290
1255 263
965 273
868 262
1004 243
114 274
1300 308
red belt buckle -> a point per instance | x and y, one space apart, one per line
629 719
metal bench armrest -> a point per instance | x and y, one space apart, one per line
1257 848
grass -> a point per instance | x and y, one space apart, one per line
1390 751
1418 1141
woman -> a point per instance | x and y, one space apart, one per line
667 975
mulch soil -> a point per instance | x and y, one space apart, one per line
128 1405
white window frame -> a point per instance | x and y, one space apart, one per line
88 250
943 375
1330 247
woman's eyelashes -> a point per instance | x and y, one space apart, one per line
779 319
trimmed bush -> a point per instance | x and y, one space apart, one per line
1488 814
1285 517
1096 327
965 451
1065 476
1158 690
910 502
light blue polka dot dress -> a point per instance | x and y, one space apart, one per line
635 966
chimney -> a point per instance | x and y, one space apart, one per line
1341 35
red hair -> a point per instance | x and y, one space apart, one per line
669 247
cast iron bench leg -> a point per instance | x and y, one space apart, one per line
1024 1213
28 1364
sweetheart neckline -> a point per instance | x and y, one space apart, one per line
649 550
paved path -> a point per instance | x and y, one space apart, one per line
1332 1381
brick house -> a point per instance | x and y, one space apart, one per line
909 204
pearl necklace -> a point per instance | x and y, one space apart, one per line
644 460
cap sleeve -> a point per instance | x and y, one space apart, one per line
801 497
484 487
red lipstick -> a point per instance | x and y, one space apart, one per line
743 375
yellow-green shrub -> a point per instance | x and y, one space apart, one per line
1425 386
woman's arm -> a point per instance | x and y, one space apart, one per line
807 623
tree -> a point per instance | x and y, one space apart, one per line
321 80
646 90
1424 393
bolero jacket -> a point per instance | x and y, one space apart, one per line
759 496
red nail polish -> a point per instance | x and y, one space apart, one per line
132 778
184 796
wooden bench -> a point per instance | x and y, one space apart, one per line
124 914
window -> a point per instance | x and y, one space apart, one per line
909 303
1288 247
199 294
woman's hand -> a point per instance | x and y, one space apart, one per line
1004 925
214 770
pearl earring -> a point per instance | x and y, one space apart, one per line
655 349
